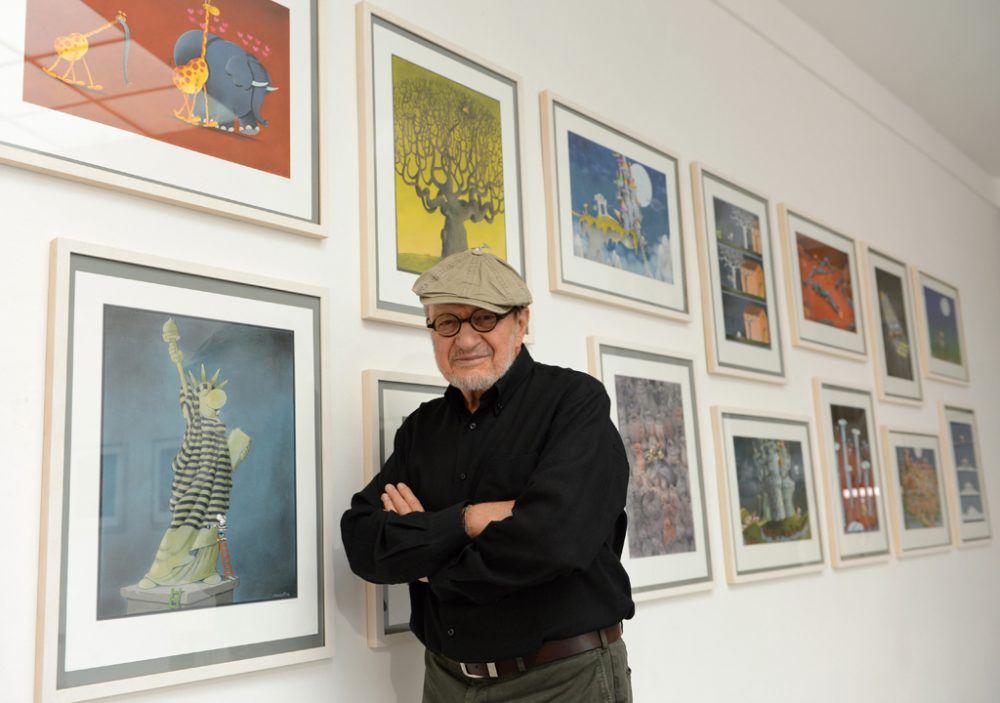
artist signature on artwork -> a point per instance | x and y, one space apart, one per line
283 594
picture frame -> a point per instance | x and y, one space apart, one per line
389 398
822 286
254 579
407 222
654 406
742 326
80 101
892 328
767 495
966 480
943 352
631 256
920 509
857 521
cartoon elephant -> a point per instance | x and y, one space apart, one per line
237 82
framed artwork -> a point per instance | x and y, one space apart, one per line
222 373
654 407
916 492
737 279
943 350
767 495
614 213
440 161
966 481
855 505
890 312
822 284
209 105
389 398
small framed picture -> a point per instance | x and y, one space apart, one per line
943 350
767 495
614 213
890 311
389 398
654 406
916 492
737 279
855 506
966 482
821 278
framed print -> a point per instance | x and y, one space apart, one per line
821 279
440 161
206 389
737 279
966 481
654 407
890 311
916 492
767 495
943 350
213 106
614 214
389 398
855 507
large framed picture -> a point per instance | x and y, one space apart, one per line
613 213
916 492
183 501
213 106
767 495
855 507
440 161
389 398
654 406
742 333
890 311
966 480
944 356
822 284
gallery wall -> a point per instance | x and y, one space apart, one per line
750 92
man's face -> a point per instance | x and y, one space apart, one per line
471 360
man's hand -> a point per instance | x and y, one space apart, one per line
400 499
479 515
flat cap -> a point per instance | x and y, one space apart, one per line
473 277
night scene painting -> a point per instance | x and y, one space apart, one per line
620 213
967 472
827 292
918 479
774 505
895 334
942 326
856 475
741 274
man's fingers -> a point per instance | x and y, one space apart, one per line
399 504
387 503
411 500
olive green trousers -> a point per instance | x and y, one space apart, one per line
598 676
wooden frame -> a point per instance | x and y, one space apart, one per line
116 321
747 346
817 311
596 256
857 522
684 564
388 607
966 481
389 50
912 537
127 133
754 550
939 311
892 328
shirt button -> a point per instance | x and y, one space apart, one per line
462 475
472 425
451 633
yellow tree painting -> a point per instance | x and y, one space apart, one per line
449 168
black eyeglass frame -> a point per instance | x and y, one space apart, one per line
432 324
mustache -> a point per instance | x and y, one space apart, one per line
478 350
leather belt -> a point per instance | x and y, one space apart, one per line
551 651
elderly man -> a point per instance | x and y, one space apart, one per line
503 506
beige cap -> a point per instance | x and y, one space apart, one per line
473 277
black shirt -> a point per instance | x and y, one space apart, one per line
543 437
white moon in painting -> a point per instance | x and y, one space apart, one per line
945 307
643 186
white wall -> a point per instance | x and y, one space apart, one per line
760 99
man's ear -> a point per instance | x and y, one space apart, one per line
523 315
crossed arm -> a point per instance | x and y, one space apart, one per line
399 499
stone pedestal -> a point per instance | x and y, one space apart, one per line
186 597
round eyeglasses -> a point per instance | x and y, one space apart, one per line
448 324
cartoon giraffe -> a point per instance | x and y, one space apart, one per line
190 78
71 48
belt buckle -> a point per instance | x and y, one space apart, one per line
491 669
